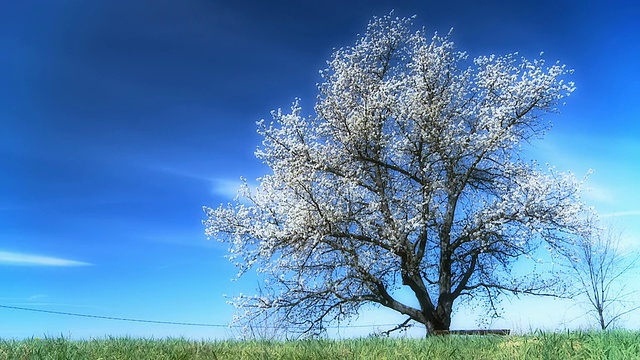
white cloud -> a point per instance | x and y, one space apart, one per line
227 188
20 259
230 189
621 214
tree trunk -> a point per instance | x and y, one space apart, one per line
603 324
441 318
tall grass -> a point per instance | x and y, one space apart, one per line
573 345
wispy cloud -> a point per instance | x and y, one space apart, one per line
220 186
231 188
177 171
227 188
621 214
596 192
20 259
37 297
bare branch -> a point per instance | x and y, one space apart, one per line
601 268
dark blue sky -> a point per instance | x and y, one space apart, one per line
120 119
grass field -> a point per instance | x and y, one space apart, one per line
575 345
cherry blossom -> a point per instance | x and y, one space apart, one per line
408 175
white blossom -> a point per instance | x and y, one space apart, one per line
409 174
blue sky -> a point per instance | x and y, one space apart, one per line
120 119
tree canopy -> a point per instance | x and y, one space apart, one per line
410 174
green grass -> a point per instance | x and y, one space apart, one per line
574 345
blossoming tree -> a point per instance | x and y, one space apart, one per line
409 175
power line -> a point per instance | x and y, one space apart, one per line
164 322
111 317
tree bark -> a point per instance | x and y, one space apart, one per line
441 321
